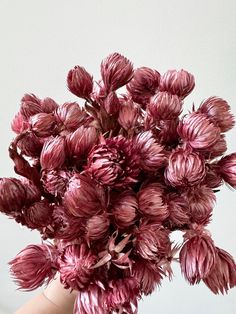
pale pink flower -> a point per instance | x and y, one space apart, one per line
143 85
30 145
43 124
223 275
30 105
38 214
111 103
116 71
80 82
164 106
75 266
151 202
19 124
48 105
179 83
198 131
218 111
97 227
128 114
178 210
197 258
56 181
185 168
33 266
53 154
227 169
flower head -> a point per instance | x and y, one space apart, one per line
227 169
97 227
112 103
43 124
48 105
30 145
80 82
30 105
56 181
19 123
128 114
38 214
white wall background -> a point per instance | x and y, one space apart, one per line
41 40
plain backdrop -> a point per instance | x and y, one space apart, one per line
41 40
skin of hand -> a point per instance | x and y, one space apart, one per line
54 300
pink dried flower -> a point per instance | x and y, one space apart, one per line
198 131
83 197
223 275
43 124
30 145
48 105
178 210
227 169
80 82
75 266
56 181
218 111
185 168
116 71
124 209
151 202
197 258
19 124
111 103
97 227
179 83
212 179
33 265
53 154
216 150
30 105
128 114
38 214
113 163
164 106
151 153
12 195
143 85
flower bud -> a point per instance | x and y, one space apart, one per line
129 114
80 82
212 179
38 215
167 132
30 105
198 131
30 145
216 150
179 83
33 265
33 194
19 124
116 71
111 103
218 111
54 153
164 106
178 210
12 195
56 181
227 169
185 168
97 227
43 124
48 105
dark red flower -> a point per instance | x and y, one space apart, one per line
178 210
212 179
112 103
56 181
80 82
33 194
48 105
38 214
43 124
30 145
227 169
30 105
97 227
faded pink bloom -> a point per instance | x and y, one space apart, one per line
12 195
151 153
124 209
75 266
179 83
19 124
80 82
38 214
83 197
30 105
53 154
116 71
223 275
164 106
111 103
185 168
151 202
43 124
227 169
33 266
197 258
48 105
128 114
218 111
56 181
178 210
30 145
198 131
113 163
143 85
97 227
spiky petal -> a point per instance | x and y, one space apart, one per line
80 82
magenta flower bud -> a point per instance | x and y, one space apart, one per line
111 103
75 266
198 131
151 202
38 215
143 85
124 209
56 181
179 83
54 153
30 105
43 124
223 275
80 82
48 105
164 106
30 145
116 71
19 124
197 258
12 195
83 197
33 265
129 114
178 210
152 155
218 111
33 194
185 168
97 227
227 169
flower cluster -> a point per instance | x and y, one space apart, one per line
107 181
